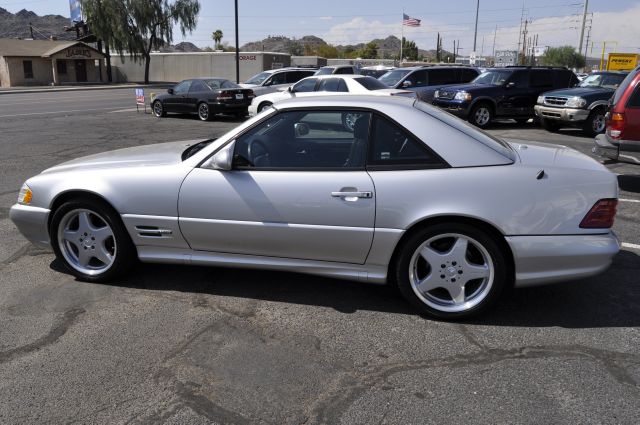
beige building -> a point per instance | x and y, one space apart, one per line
45 62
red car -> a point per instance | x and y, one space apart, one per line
621 141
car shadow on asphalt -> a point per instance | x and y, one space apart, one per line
629 183
611 299
217 117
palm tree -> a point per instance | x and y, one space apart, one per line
217 36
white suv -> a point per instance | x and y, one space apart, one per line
274 79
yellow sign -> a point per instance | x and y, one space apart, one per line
622 61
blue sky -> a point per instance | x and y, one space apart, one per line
342 22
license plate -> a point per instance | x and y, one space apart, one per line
240 96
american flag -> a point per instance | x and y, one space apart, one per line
409 21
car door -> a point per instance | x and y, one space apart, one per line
176 102
197 91
297 189
515 94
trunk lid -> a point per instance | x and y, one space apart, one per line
543 155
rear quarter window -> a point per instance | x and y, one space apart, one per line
623 86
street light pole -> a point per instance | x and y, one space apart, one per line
475 35
237 48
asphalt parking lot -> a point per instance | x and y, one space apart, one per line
194 345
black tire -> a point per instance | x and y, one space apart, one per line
158 109
204 112
522 121
488 289
595 123
549 125
124 252
481 115
263 106
349 120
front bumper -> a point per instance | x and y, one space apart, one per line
253 109
457 108
561 114
556 258
32 222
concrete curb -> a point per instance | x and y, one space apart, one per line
84 88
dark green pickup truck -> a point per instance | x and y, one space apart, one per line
582 106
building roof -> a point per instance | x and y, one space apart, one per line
42 48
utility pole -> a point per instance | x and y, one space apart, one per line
31 31
475 34
493 51
438 48
237 48
454 51
586 46
524 42
584 21
520 30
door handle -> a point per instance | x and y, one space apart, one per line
352 194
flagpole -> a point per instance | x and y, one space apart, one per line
401 35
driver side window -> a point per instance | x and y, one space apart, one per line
315 140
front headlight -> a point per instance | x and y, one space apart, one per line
25 195
462 95
576 102
436 93
540 100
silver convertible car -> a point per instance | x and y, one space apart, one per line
409 195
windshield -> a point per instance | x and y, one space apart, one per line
258 79
481 136
392 78
495 78
370 83
610 81
324 71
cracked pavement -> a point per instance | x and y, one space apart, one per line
195 345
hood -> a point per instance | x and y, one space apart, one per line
247 86
582 92
469 87
538 154
139 156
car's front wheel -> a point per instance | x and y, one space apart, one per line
158 109
91 241
263 106
595 124
451 271
204 113
481 115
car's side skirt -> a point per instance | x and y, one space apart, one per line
363 273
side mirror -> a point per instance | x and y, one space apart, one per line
301 129
170 91
290 89
406 83
221 160
511 85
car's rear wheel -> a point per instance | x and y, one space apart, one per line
451 271
549 125
481 115
91 241
204 113
158 109
595 124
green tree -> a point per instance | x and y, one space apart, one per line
327 51
563 56
409 49
370 51
139 26
217 36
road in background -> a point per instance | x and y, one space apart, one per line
193 345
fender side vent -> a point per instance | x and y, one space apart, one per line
153 232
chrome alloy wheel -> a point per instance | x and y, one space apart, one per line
86 241
482 116
203 111
349 120
157 108
598 124
451 272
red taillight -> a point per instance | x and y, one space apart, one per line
615 125
250 94
225 95
601 215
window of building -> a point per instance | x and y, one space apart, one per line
61 66
27 66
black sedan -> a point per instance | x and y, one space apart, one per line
205 97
